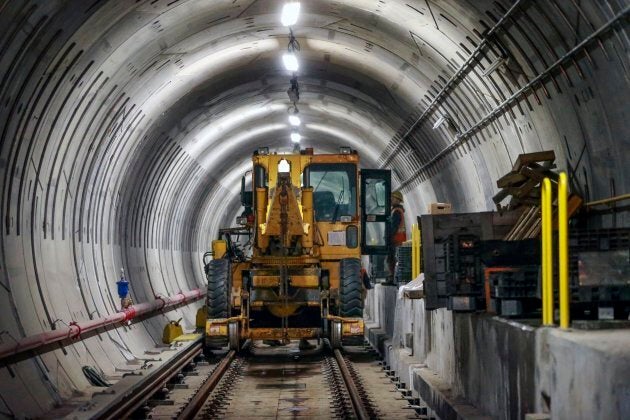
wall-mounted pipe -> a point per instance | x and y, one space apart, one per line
608 200
507 103
75 329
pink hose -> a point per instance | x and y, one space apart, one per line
75 329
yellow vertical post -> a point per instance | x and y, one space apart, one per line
416 251
261 216
419 249
307 216
543 253
414 273
547 253
563 251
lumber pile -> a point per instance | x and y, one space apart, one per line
522 186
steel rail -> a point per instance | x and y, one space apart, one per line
358 406
136 396
195 404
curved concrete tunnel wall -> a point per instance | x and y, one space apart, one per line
126 127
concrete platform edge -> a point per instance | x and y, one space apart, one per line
423 382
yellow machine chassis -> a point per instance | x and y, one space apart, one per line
293 209
350 327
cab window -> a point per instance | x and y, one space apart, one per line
334 190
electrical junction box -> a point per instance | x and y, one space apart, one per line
605 312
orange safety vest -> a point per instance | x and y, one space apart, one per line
400 235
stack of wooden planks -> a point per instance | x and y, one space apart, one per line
523 184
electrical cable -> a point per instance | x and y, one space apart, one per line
294 45
94 377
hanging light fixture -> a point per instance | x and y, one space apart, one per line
290 13
290 62
440 121
294 120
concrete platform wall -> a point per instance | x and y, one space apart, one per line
475 365
583 374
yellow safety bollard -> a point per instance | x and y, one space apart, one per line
416 266
563 252
414 273
419 248
547 253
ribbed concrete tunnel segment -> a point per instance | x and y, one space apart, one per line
126 126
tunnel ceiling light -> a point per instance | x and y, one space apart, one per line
494 66
440 121
294 120
296 137
290 62
290 13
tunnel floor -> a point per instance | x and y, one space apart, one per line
301 388
284 382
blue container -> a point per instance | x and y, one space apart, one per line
123 288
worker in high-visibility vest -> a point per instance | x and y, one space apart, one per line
398 231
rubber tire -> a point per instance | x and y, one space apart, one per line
234 338
335 335
350 288
217 299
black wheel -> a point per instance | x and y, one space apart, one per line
234 338
218 276
350 288
335 335
217 298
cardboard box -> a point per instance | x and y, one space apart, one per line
440 208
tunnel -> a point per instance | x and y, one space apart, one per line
127 125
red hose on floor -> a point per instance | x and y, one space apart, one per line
75 329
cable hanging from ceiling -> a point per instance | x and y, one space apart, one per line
290 14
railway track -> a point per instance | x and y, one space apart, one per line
136 400
362 407
267 382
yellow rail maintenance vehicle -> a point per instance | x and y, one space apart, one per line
308 219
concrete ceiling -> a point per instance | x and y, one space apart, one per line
126 127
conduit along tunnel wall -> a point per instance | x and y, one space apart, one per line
126 127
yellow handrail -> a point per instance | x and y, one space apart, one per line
547 251
419 248
414 274
416 263
546 254
563 252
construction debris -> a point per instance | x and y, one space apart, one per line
522 184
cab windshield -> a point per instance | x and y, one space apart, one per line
334 190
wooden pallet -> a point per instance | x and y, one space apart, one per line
522 185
